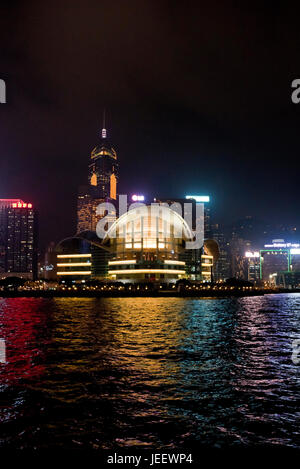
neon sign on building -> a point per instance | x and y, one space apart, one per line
21 205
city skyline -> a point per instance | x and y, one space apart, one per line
149 231
223 131
58 232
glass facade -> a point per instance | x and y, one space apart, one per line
146 246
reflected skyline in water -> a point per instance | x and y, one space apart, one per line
156 373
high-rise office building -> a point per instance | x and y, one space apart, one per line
204 200
222 266
18 238
87 204
102 184
253 261
238 263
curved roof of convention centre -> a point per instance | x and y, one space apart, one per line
171 221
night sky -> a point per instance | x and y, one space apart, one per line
198 100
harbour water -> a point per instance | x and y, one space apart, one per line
166 374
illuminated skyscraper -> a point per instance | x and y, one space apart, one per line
18 238
253 258
203 199
102 183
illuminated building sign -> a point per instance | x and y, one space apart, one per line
198 198
138 198
280 243
254 254
21 205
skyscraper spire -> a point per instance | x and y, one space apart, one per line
103 133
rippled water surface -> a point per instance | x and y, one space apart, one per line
158 373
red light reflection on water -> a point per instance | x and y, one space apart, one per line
21 320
